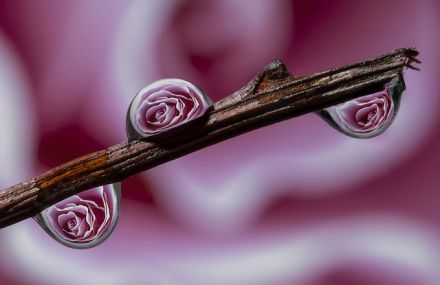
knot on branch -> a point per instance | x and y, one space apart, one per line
274 75
276 70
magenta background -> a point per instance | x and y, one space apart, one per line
294 203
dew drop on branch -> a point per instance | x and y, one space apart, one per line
84 220
164 105
367 116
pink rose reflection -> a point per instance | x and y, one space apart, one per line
367 116
164 105
368 113
84 220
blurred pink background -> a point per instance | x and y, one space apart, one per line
294 203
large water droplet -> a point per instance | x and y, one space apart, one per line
367 116
163 105
84 220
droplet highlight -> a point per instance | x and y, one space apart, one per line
163 105
367 116
84 220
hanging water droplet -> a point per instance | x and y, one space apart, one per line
367 116
84 220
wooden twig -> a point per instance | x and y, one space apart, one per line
273 95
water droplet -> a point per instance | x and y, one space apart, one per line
367 116
84 220
163 105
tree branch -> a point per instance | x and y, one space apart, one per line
272 96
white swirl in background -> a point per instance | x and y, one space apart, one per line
282 256
17 118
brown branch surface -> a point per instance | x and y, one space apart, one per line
271 96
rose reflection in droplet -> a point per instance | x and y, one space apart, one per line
367 116
84 220
163 105
368 113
